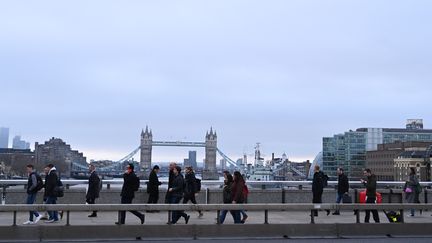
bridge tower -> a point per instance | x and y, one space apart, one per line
146 151
210 171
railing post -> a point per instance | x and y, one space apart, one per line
67 218
108 186
207 196
14 218
265 216
3 195
425 195
300 187
283 194
390 195
312 216
218 217
402 216
357 213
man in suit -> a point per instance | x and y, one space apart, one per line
153 186
94 184
130 186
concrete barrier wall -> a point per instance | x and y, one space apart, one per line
108 196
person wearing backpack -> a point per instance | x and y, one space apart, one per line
94 185
411 190
131 184
319 181
51 182
34 184
191 188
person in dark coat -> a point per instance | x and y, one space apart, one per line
226 197
171 176
130 186
412 195
370 183
176 194
94 184
51 181
153 186
190 188
342 187
237 195
318 188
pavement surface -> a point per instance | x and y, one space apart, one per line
277 217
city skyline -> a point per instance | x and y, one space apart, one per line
285 74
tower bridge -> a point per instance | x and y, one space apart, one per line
146 147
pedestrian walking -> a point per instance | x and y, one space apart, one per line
51 182
153 187
226 196
131 184
93 190
191 188
318 182
237 194
412 190
342 187
34 184
176 194
370 183
171 176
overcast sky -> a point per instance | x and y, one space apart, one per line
282 73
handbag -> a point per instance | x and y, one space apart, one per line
408 190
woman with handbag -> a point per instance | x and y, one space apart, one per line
411 191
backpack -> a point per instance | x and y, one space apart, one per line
418 188
324 179
136 184
39 184
197 185
59 189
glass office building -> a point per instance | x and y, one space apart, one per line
348 150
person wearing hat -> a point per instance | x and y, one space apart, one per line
153 187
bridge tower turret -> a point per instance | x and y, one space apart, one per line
146 151
210 171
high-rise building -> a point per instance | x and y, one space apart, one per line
192 159
17 143
348 150
4 137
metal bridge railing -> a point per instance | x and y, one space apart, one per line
213 183
68 208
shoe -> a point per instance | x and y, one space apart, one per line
328 212
38 218
336 213
28 222
51 221
187 219
200 215
92 215
118 223
44 217
142 218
